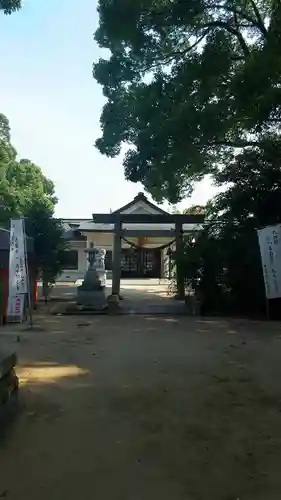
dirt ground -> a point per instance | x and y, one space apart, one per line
145 408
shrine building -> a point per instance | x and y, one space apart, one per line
147 236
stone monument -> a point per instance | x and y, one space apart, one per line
91 293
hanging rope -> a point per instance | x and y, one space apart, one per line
162 247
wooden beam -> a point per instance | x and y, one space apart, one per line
148 218
141 232
107 231
156 233
116 261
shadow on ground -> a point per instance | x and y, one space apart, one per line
145 407
149 296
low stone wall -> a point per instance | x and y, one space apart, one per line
8 386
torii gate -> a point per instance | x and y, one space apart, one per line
118 219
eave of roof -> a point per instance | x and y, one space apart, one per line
138 198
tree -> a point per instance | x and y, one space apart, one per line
254 180
10 6
192 210
5 131
182 88
49 243
23 185
26 192
7 157
224 262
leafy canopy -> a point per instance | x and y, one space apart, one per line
26 192
226 255
187 83
10 6
192 210
49 244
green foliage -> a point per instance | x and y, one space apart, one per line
5 131
225 271
193 210
187 83
28 185
26 192
49 243
223 263
7 158
23 184
255 178
10 6
193 88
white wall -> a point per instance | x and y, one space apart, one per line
105 240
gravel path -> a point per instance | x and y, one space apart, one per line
145 408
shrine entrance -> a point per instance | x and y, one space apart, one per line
138 261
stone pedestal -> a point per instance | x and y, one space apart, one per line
113 304
91 293
102 276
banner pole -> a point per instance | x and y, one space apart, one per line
27 276
267 309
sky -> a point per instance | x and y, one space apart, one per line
53 103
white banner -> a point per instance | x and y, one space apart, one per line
15 308
17 265
270 248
